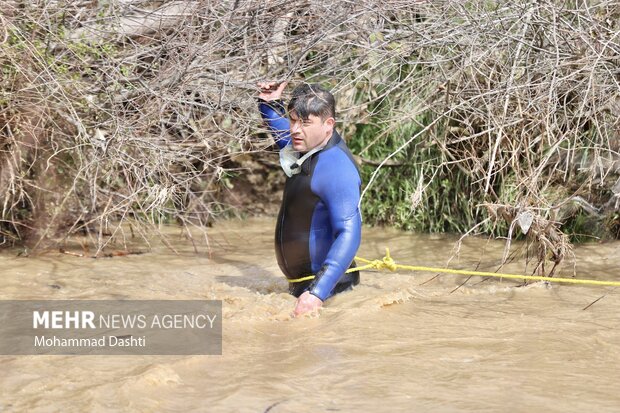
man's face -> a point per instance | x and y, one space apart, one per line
309 133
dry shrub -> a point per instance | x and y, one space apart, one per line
130 110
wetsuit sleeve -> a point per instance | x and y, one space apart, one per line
274 115
337 183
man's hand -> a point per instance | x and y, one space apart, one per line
307 303
271 90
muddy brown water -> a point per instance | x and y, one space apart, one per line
395 343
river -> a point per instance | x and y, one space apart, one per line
397 342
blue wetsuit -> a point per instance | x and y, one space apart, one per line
319 224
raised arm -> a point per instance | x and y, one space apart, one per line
273 111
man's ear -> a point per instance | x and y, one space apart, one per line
331 122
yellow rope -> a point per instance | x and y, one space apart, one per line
298 280
387 263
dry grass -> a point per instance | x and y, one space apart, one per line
130 110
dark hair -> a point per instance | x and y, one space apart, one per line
312 99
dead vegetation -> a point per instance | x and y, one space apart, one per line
130 111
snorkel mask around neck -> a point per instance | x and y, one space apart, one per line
291 161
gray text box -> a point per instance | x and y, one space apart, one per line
111 327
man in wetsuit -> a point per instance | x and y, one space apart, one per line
319 224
